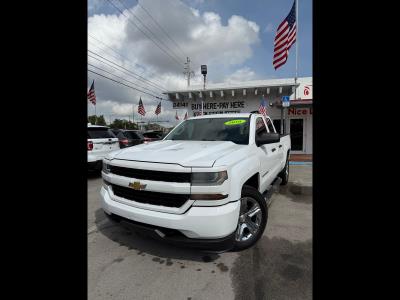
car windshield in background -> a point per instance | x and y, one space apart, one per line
100 133
235 130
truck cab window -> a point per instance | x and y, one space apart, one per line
270 126
260 126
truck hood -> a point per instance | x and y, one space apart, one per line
184 153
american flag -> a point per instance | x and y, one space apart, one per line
91 95
158 109
262 110
176 115
141 107
186 116
285 38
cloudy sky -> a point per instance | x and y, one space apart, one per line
151 40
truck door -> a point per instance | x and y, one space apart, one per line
268 155
280 149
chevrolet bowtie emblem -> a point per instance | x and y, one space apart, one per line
137 186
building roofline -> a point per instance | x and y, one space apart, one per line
282 82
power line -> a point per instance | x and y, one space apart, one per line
159 26
123 78
144 25
124 57
127 85
102 50
130 21
166 33
126 73
143 79
109 47
119 54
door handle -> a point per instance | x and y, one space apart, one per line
280 146
273 149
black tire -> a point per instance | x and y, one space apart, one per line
284 174
248 193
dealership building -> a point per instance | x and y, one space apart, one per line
246 97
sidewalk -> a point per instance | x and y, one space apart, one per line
300 180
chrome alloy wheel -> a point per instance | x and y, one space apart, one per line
250 217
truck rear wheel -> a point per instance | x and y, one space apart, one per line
252 218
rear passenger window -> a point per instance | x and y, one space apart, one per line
100 133
132 135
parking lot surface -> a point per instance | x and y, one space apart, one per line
125 265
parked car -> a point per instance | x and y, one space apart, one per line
100 141
203 185
128 138
152 135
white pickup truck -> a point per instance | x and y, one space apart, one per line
203 185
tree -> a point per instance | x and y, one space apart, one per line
97 120
123 124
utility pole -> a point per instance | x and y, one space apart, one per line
187 71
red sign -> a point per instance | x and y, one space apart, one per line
299 111
306 90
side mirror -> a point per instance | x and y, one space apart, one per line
267 138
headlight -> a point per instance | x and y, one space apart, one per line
209 178
106 168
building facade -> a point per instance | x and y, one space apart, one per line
247 96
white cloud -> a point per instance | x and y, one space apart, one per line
203 37
243 74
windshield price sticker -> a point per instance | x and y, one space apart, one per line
234 122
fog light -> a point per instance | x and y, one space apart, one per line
106 184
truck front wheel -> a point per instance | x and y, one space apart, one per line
252 218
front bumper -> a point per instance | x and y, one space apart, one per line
207 223
174 237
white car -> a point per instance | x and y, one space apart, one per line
203 184
100 141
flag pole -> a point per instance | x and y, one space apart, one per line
95 115
297 47
297 64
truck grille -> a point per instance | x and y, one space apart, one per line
150 175
154 198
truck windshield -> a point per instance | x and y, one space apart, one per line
235 130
